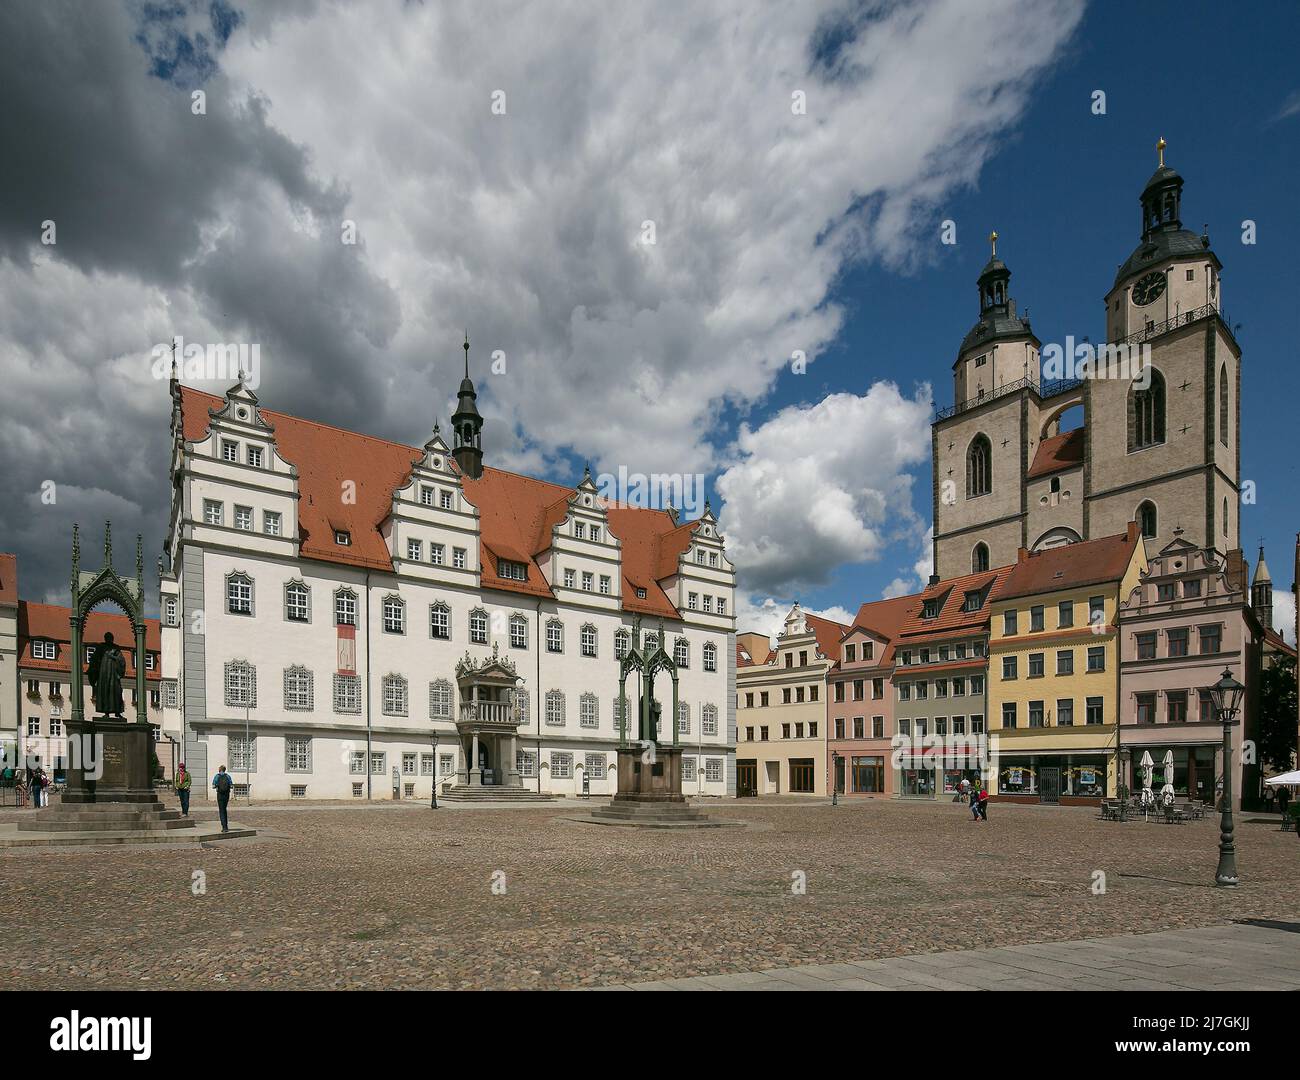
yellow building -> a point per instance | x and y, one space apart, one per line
781 707
1053 677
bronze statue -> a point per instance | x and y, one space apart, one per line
106 668
653 734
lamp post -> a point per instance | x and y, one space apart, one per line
1226 695
835 787
1124 756
433 799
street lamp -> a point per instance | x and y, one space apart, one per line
835 787
433 799
1124 758
1226 695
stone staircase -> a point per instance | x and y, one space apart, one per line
86 824
655 814
491 793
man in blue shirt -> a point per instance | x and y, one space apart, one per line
223 784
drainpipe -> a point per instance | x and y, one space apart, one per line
369 771
537 695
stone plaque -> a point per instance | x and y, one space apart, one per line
114 774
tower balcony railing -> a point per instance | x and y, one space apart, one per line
1183 318
1049 389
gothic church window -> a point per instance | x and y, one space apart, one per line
1146 425
979 558
1146 517
979 467
1223 405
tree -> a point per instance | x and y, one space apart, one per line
1277 713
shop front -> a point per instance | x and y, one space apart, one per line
1066 778
1195 771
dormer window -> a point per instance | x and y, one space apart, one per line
640 593
931 609
580 530
45 650
444 499
974 600
229 450
343 538
594 534
512 571
255 456
426 496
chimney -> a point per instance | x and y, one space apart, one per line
1133 531
1022 555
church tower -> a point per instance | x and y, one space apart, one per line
1165 447
979 444
467 427
1261 593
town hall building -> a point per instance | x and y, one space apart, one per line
347 617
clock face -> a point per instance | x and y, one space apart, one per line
1149 288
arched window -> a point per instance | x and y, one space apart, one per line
979 467
683 718
709 720
1146 519
710 656
298 694
1225 515
1146 414
1223 404
521 706
622 642
394 695
345 607
440 621
518 632
554 636
681 653
555 708
588 711
440 700
588 636
394 615
979 559
241 685
239 594
297 602
478 626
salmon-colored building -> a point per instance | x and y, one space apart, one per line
860 701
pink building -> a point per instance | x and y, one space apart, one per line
1179 629
860 699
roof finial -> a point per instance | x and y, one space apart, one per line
993 239
466 347
1160 148
108 544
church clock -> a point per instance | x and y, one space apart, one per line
1149 288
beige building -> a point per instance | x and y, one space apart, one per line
1158 442
781 707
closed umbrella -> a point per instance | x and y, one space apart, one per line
1167 792
1147 765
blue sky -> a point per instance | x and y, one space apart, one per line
777 230
1062 192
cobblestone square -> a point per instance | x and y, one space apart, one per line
399 896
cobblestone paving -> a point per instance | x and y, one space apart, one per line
400 896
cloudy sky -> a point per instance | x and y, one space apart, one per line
697 238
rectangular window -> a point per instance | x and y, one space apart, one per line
357 765
1097 610
1036 618
604 584
1065 712
378 763
347 694
408 764
1176 701
708 603
713 771
859 688
241 753
440 622
1209 714
447 765
415 550
570 579
554 637
345 608
1192 588
1211 639
1008 623
1146 645
426 764
588 581
877 689
1009 667
1146 708
271 522
595 764
458 558
1166 592
1035 714
212 512
229 450
514 571
426 495
561 766
444 499
959 687
1065 662
244 518
839 691
1008 714
1095 713
1036 665
850 654
297 753
255 456
877 727
1097 658
1065 614
437 554
526 763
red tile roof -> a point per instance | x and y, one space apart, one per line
8 578
1089 562
1064 451
883 618
49 622
952 617
516 512
828 634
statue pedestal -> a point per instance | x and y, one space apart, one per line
111 762
646 781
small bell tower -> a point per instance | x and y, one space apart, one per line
467 426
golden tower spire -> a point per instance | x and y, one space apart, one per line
1160 148
993 239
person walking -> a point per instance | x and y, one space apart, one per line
183 784
983 803
974 802
1270 793
1283 798
223 784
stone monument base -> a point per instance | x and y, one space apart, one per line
118 751
650 794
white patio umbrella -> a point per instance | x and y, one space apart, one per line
1167 792
1147 766
1286 778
